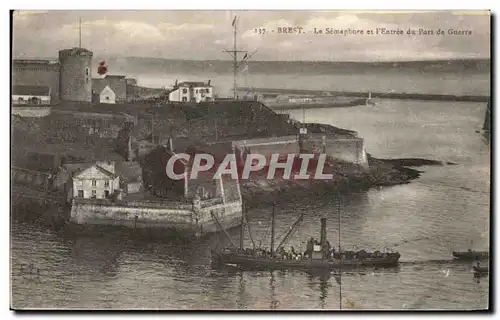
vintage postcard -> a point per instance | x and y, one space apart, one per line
250 160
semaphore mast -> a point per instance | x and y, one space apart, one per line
234 54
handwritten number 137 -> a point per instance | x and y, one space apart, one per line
260 31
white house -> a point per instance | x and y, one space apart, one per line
96 180
37 95
102 91
189 91
99 180
107 95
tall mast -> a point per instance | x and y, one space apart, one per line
80 33
272 229
234 55
340 255
242 231
153 129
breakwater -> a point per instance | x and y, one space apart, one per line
334 102
356 94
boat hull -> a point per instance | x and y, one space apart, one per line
471 256
252 262
481 270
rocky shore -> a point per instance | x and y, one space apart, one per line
348 178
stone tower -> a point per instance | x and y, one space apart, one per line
76 75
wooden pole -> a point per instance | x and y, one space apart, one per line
248 226
340 254
242 230
273 229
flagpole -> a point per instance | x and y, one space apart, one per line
235 60
234 55
80 33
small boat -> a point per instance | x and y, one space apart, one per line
471 255
481 270
318 255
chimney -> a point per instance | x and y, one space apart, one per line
323 231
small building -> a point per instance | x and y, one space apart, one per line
118 84
130 174
31 95
107 96
190 91
95 180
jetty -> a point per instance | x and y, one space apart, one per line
275 92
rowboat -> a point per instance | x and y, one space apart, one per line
481 270
471 255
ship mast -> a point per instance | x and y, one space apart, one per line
272 229
80 34
340 255
242 231
234 54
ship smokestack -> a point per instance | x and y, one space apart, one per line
323 232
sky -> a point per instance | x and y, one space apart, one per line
203 35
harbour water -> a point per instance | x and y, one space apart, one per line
444 210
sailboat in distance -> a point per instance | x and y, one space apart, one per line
369 101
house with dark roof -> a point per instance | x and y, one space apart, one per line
35 95
189 91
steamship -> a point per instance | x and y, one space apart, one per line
317 256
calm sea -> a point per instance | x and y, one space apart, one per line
446 209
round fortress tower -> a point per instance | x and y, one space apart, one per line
76 74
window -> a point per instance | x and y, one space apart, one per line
80 193
196 90
87 72
184 99
184 90
20 99
94 183
94 194
106 193
106 183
